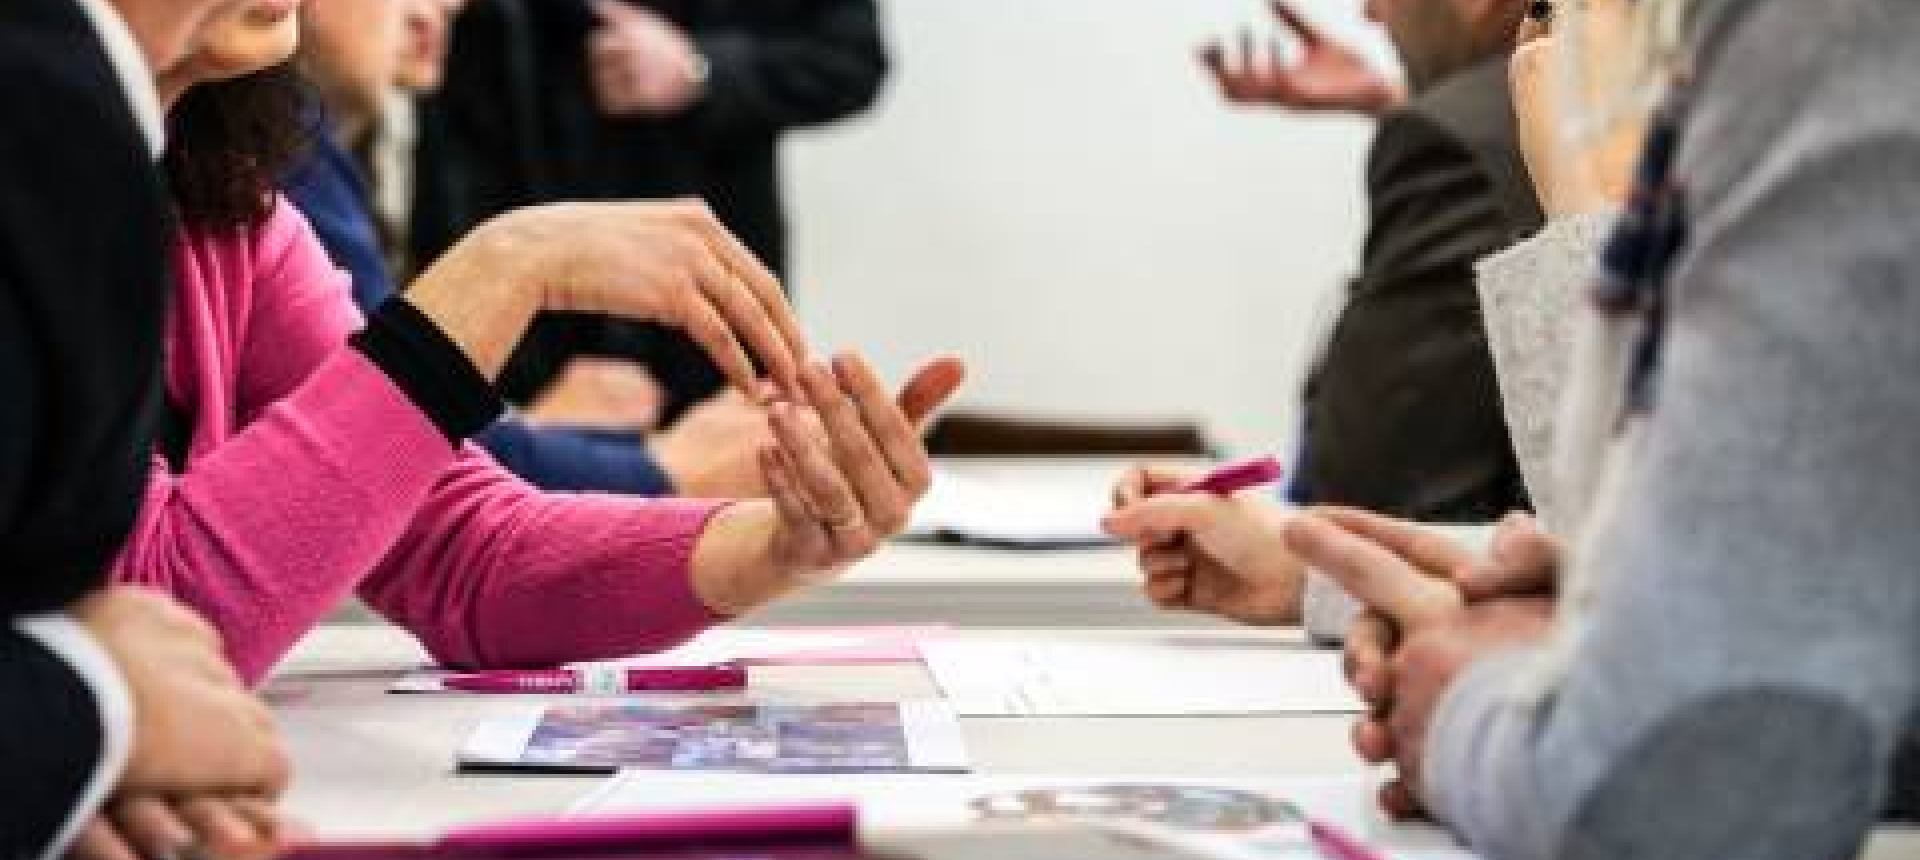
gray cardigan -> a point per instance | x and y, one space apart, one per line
1736 659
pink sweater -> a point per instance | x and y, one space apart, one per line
311 475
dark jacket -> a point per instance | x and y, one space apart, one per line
1403 411
83 281
517 123
329 189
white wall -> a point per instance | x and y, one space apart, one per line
1052 189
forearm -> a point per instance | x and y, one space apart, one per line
269 532
496 574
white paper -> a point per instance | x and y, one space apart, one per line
893 803
1017 506
1191 676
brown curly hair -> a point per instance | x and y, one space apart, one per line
230 144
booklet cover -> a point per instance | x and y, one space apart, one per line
601 737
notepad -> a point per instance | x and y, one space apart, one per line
602 736
1170 676
1021 507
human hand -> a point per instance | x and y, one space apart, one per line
146 826
1416 583
197 729
1327 76
842 479
1204 553
671 263
713 451
605 393
641 64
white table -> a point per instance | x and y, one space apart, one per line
377 764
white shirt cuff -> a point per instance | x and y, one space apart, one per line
76 647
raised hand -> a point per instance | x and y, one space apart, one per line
1326 77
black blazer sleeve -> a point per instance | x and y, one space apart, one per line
83 286
50 744
1403 413
813 62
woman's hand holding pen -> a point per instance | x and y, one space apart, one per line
845 470
1205 553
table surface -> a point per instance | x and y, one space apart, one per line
371 763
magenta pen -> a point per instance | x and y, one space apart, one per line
1335 844
604 680
1227 480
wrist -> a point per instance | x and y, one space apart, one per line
485 291
736 567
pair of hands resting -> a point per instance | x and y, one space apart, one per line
1433 606
206 767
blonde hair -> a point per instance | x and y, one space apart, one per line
1619 57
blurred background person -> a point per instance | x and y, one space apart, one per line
1402 410
634 99
368 58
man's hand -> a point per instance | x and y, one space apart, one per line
1420 629
197 729
641 64
1203 553
1326 77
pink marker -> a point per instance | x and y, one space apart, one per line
604 680
1335 844
822 822
1227 480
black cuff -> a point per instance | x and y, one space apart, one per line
440 380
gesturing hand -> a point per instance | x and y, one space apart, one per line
843 473
1327 76
671 263
1202 553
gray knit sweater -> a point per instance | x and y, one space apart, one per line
1739 647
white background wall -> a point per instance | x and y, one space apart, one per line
1052 189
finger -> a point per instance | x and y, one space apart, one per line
1158 519
100 841
612 11
929 389
709 327
746 322
819 480
151 825
220 831
1213 55
1372 741
787 348
1166 559
784 489
1522 561
1425 549
1374 575
1301 25
1399 801
856 453
270 832
1170 591
891 423
1368 659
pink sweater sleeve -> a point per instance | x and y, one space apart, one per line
333 478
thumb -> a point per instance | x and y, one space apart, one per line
1372 573
1522 561
613 11
931 388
